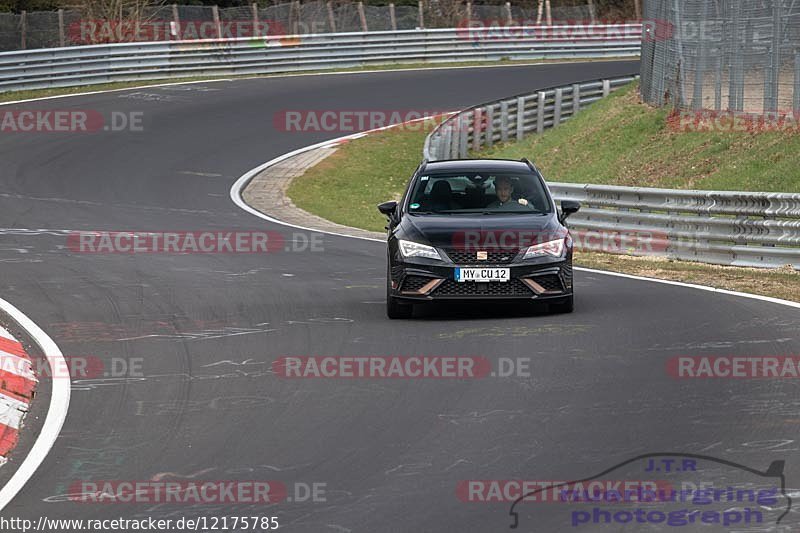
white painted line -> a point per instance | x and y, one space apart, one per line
56 412
241 183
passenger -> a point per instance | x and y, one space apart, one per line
504 188
441 196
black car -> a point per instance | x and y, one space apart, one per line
475 230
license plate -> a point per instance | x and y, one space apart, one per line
482 274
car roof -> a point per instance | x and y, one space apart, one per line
477 165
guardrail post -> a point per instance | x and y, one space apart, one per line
392 17
444 148
331 18
256 29
62 40
504 121
606 88
489 125
421 15
455 137
576 99
540 113
557 107
23 29
215 15
176 20
477 129
463 134
362 16
520 117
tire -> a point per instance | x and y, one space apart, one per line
395 309
567 305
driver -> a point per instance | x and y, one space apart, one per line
503 188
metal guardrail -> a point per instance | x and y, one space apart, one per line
483 125
750 229
84 65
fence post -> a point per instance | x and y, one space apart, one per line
718 84
331 18
489 125
637 5
392 17
606 88
256 28
177 21
576 99
23 29
296 18
796 105
215 15
540 113
477 129
504 121
421 15
549 12
520 117
539 11
362 16
62 39
509 18
771 97
469 11
557 107
592 12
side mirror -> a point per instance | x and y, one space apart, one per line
388 208
568 207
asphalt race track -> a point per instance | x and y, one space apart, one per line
390 453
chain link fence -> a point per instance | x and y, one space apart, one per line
30 30
722 55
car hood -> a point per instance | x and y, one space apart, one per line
445 231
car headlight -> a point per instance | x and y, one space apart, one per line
415 249
552 248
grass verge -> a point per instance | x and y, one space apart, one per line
346 187
620 141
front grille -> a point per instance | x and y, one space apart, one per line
550 282
451 287
414 283
470 257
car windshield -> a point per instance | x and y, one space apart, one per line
479 193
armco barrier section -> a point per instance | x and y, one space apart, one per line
750 229
85 65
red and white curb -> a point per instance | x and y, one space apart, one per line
17 385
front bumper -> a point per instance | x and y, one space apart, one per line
420 282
